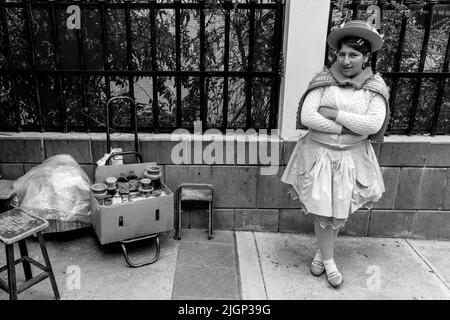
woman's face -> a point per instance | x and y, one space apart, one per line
350 61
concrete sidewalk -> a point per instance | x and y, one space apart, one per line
240 265
276 266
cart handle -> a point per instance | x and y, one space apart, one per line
143 263
133 107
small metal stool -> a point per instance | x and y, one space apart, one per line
15 226
194 192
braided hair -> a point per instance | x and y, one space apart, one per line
356 43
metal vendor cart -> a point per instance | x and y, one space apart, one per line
131 221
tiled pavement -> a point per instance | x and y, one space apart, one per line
373 268
241 265
206 269
86 270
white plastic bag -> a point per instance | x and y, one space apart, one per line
58 188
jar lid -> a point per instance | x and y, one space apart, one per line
153 176
111 180
154 170
98 187
145 190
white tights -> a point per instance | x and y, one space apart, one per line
326 238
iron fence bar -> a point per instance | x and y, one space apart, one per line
10 65
251 40
327 47
59 74
374 58
203 101
437 75
276 80
59 85
389 6
355 6
33 64
226 61
155 109
6 35
396 67
440 94
178 61
238 74
423 54
123 129
126 129
106 67
56 128
85 107
130 68
12 128
142 5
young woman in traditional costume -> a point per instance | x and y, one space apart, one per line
333 169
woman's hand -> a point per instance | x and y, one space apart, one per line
348 131
331 113
328 112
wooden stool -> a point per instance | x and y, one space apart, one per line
15 226
194 192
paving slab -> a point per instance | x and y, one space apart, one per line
436 254
206 269
86 270
373 269
201 235
205 283
252 282
203 254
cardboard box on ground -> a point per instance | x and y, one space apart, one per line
132 219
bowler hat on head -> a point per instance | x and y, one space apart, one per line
356 28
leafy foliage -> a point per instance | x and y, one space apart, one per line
415 15
65 102
95 87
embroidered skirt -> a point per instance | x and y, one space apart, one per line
333 182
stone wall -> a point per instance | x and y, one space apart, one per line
416 172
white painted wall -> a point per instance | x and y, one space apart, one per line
305 34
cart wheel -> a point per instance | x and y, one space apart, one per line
144 263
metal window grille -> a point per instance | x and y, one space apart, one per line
414 60
182 61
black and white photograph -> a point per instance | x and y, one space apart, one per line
228 156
